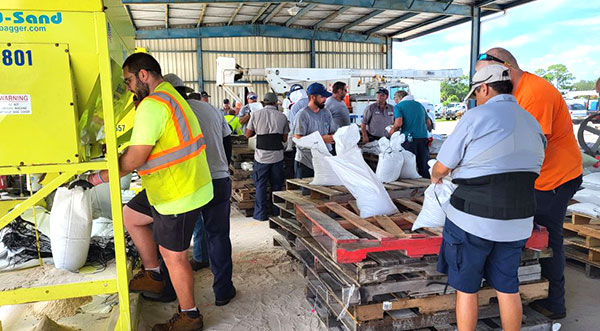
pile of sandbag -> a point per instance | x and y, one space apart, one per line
588 199
394 161
348 168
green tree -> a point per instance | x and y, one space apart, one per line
558 75
454 90
584 85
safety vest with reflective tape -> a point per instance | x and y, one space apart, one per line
177 165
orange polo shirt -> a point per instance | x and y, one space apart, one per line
562 161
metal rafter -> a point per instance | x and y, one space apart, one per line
420 25
302 11
235 12
274 12
201 17
130 17
166 16
390 23
418 6
361 20
260 13
448 5
330 17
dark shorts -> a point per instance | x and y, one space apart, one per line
467 259
173 232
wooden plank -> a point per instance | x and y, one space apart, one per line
325 223
409 204
358 222
354 206
388 225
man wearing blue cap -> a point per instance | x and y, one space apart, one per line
314 117
244 115
377 117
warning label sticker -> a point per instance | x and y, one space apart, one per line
15 104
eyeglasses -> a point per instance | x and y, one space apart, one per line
487 57
127 80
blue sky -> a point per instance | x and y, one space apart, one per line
539 34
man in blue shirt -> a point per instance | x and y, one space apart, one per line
411 117
495 154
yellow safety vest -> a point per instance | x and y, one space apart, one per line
177 165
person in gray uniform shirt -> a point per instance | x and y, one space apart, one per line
211 233
336 105
244 114
271 129
377 117
314 117
495 155
300 101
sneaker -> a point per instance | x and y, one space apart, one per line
149 283
225 301
182 321
540 308
198 265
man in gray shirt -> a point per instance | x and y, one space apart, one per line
244 114
271 129
336 105
377 117
495 155
211 233
315 117
300 101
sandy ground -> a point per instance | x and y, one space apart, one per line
270 288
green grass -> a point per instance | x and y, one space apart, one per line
443 120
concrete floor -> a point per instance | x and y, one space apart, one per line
583 301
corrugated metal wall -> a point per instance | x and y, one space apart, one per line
179 56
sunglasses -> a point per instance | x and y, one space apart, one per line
487 57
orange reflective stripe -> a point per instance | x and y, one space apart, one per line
174 149
173 115
168 164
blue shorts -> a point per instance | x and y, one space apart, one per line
467 259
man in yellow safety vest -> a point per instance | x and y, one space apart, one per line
168 150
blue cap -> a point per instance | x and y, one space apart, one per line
319 89
252 96
295 87
383 90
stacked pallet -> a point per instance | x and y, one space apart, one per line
582 242
374 274
242 185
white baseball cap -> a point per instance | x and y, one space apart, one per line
488 74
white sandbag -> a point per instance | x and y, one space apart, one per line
102 227
324 175
409 167
252 143
70 228
390 161
437 199
592 181
346 138
587 195
351 168
585 208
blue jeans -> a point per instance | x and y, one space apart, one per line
550 212
200 243
266 173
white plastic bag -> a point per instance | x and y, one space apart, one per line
346 139
585 208
588 195
324 175
390 160
409 167
351 168
437 198
70 228
592 181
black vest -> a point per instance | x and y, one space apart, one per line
269 142
501 196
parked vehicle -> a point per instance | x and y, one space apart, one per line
577 111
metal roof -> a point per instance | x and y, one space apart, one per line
344 20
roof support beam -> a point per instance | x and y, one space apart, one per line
330 17
390 23
420 6
260 13
300 14
475 38
201 17
166 16
362 19
420 25
130 17
235 12
448 5
262 30
273 13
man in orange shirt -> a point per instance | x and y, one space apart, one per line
561 171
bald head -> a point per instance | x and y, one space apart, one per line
501 54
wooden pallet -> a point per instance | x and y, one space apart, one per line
582 242
579 218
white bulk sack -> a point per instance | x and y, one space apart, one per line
409 167
70 228
390 160
585 208
588 195
324 175
592 181
351 168
437 199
